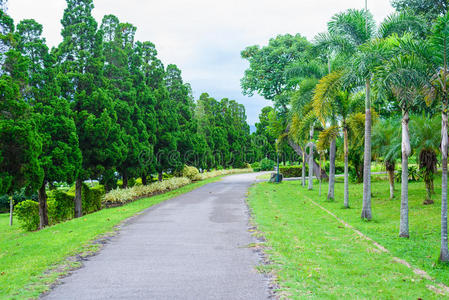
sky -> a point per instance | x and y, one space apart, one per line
204 38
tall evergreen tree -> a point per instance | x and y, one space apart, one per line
80 56
60 157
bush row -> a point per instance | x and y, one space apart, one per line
60 206
119 197
188 174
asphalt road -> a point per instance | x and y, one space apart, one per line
190 247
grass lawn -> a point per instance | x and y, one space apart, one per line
26 257
316 256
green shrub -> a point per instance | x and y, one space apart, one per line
266 164
189 172
92 198
292 171
27 213
256 166
60 206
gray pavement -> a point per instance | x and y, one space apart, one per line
193 246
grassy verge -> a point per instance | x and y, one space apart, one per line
316 256
27 257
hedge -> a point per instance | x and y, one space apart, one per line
292 171
119 197
60 206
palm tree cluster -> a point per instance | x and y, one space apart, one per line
393 77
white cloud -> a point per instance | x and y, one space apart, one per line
205 37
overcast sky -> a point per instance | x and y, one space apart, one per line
205 37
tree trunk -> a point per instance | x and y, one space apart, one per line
404 230
78 199
125 180
331 187
159 176
391 180
444 253
11 209
144 179
304 168
346 195
320 179
43 215
366 210
310 187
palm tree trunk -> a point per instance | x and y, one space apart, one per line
43 215
320 177
144 179
160 176
366 210
346 196
391 180
331 187
404 230
78 199
444 253
304 168
310 187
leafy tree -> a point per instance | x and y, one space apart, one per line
80 59
20 143
60 157
266 74
404 74
331 100
118 49
430 9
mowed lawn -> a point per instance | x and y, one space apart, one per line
31 261
316 256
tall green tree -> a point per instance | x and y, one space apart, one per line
118 48
81 62
61 156
20 143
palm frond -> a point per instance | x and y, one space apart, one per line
401 23
324 95
326 136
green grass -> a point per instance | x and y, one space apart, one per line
26 257
315 256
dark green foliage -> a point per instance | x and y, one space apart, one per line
431 9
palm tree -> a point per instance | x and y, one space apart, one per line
439 54
358 27
330 100
404 75
426 143
387 145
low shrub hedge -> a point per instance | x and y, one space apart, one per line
28 214
292 171
60 206
119 197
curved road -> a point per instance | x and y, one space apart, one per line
193 246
